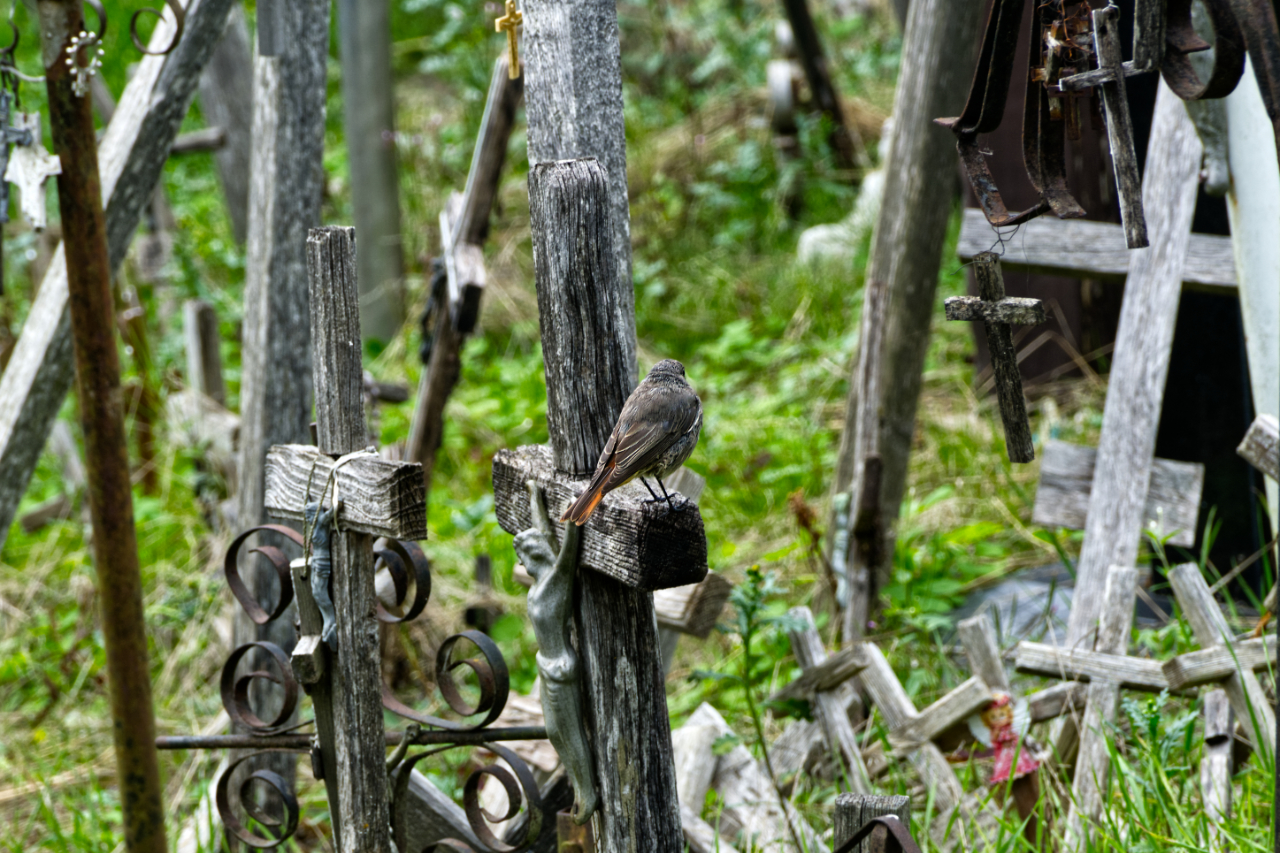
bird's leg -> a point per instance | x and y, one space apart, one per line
670 506
654 499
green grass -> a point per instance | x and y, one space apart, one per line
766 343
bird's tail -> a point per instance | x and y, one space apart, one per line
587 502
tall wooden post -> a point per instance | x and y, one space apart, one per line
626 705
368 97
937 61
226 99
573 105
115 543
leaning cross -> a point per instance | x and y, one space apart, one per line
366 496
509 22
997 312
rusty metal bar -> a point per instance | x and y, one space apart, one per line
423 738
106 452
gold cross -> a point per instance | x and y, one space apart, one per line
509 22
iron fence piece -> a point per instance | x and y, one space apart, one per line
1182 40
424 737
180 21
892 836
230 568
226 803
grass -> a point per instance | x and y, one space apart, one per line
766 343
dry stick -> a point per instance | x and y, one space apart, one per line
107 457
131 157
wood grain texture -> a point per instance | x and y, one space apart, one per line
1212 665
1252 708
1083 249
640 544
1058 662
1138 371
580 314
1216 766
886 693
956 706
854 811
829 707
490 152
1067 472
1124 160
573 109
131 155
752 812
1053 702
1004 363
982 648
693 608
939 47
368 105
1010 309
204 350
363 817
1093 764
834 671
380 497
226 100
1261 445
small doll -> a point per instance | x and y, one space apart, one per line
1003 727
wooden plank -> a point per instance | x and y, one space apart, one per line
1261 446
854 811
226 100
204 354
362 817
1053 702
828 706
1082 249
483 179
1212 665
1009 309
1066 487
956 706
693 608
1136 386
978 637
1248 700
835 670
573 108
629 538
381 498
131 156
1216 767
691 746
1058 662
752 810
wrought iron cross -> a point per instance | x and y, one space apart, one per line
997 312
509 22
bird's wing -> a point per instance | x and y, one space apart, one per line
639 441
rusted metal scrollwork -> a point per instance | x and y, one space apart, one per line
180 22
227 804
521 790
235 691
231 568
1181 40
490 670
398 558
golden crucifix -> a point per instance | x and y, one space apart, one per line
509 22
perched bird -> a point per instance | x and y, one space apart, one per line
655 434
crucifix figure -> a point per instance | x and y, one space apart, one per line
997 312
509 22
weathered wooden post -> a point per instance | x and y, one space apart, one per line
115 544
1216 766
368 98
132 154
204 354
854 811
631 546
226 99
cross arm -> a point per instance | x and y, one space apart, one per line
641 544
1218 663
1056 662
828 675
1012 309
1261 446
955 707
380 497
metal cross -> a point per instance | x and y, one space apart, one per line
29 167
509 22
998 312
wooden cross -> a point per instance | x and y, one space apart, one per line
464 224
997 312
1124 161
377 498
509 22
631 546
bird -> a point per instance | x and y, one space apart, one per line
655 433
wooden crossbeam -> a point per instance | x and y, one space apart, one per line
1082 249
1216 664
1087 665
835 670
1261 446
1066 484
953 708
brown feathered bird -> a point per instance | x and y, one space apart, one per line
655 434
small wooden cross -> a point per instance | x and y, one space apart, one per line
30 166
374 497
997 312
509 22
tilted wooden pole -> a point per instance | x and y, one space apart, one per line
115 543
